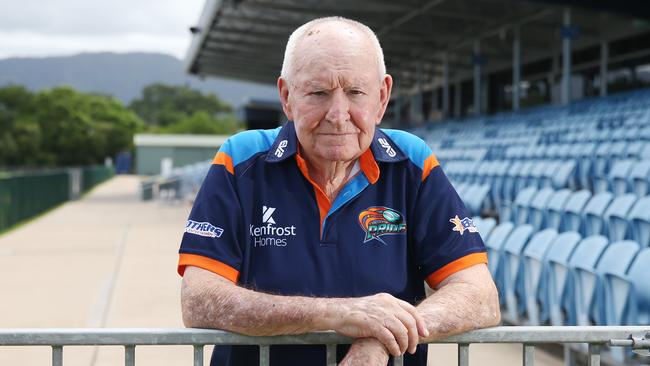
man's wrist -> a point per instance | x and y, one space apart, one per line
372 348
324 314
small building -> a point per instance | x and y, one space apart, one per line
261 114
181 150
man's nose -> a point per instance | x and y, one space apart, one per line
339 107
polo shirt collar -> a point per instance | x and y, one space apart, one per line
285 144
382 147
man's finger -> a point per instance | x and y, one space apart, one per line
388 340
411 326
419 320
399 331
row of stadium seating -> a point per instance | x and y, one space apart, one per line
616 175
546 277
567 192
618 218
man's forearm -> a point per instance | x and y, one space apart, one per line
211 301
463 304
225 306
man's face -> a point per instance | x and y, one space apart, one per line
335 96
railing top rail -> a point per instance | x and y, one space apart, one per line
183 336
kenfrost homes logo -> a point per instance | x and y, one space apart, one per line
389 149
203 229
280 150
268 234
379 220
462 225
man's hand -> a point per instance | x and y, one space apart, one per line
395 323
366 352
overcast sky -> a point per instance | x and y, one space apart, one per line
65 27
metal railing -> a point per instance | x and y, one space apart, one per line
636 337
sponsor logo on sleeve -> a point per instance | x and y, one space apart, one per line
464 224
203 229
378 221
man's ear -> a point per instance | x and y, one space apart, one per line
283 90
384 96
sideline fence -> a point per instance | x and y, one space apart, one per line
635 337
26 194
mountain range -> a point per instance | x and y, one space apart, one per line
123 75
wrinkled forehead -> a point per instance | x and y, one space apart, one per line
325 55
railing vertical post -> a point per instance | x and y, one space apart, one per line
463 354
331 355
398 361
265 356
568 356
198 355
57 355
594 355
529 355
129 355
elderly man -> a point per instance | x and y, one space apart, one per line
329 223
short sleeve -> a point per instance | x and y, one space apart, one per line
445 239
211 237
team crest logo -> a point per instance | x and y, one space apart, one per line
380 220
466 224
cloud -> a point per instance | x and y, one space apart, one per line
61 27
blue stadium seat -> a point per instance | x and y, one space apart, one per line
559 287
537 174
583 278
637 275
555 208
616 217
562 175
612 268
618 177
494 245
521 206
634 150
499 170
511 264
510 177
481 198
485 226
573 211
585 153
523 178
533 275
594 220
640 178
538 207
640 221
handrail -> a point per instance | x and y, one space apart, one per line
635 336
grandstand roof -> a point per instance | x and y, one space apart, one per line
245 39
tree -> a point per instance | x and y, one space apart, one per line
202 123
62 127
164 105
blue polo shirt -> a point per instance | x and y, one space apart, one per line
260 221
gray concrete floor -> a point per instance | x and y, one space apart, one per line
109 260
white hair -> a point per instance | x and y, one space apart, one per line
299 33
